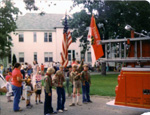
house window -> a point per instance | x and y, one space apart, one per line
21 57
34 37
35 56
50 37
21 38
48 56
89 57
47 37
69 55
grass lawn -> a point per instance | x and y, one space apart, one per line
103 85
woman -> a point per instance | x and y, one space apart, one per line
35 72
17 80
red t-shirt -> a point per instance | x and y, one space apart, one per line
8 77
16 73
42 67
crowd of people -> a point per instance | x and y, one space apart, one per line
29 79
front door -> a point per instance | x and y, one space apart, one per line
71 55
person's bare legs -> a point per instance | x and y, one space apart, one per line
73 97
27 102
36 96
78 96
40 99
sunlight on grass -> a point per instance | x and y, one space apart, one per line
103 85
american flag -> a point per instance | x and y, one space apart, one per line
67 40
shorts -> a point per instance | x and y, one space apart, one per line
38 92
77 84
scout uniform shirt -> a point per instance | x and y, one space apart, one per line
59 78
47 83
85 75
74 76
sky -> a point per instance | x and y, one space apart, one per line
57 6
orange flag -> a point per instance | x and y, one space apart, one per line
96 48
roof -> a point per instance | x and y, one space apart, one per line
34 21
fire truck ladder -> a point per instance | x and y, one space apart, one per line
120 49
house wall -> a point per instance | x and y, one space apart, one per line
29 47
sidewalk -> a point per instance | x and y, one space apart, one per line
98 107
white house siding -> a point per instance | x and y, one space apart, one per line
29 47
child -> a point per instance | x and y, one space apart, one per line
76 85
28 93
9 89
69 82
86 82
38 88
48 109
58 81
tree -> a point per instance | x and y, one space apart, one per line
8 17
14 60
79 23
114 15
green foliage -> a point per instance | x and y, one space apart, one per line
30 4
8 16
103 85
114 15
79 23
14 60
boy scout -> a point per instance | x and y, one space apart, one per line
58 80
48 92
75 76
86 82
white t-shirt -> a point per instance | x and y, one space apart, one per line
38 85
35 69
9 89
2 81
27 94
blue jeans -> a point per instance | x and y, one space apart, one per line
17 96
85 92
48 103
61 98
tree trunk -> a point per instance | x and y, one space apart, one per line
103 71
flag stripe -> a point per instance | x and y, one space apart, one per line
67 40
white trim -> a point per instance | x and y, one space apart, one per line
112 104
135 69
